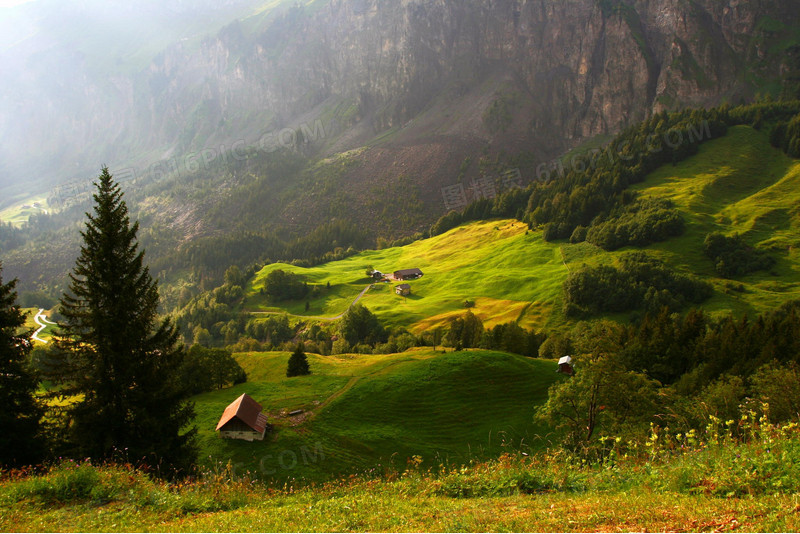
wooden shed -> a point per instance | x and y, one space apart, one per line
243 419
565 365
403 290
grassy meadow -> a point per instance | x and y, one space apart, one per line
511 274
714 483
19 213
377 411
735 184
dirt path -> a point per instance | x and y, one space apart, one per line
347 387
335 318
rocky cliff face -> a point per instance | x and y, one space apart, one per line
539 75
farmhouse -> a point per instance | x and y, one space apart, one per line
243 419
407 274
565 365
403 289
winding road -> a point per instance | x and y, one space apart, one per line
43 322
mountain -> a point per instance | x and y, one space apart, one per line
423 84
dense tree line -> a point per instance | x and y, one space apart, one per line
786 136
594 189
206 369
21 441
639 282
676 371
571 197
692 351
281 285
510 337
733 257
640 223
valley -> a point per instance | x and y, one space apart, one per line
413 265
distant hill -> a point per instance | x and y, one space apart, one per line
421 85
735 184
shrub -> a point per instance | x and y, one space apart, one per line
733 257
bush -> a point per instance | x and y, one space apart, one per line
640 282
733 257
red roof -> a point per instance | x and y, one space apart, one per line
247 411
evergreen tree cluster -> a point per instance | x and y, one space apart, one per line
121 361
586 194
733 257
591 190
786 136
21 438
639 282
675 371
694 350
465 331
510 337
281 285
641 223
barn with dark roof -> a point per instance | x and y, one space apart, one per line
407 274
243 419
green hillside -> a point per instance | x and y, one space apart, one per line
362 411
511 274
735 184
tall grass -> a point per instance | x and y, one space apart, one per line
732 474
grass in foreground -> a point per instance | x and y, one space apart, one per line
717 485
376 411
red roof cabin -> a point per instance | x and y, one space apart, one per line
243 419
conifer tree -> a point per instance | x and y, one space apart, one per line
20 414
121 359
298 363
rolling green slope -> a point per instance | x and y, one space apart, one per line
736 184
511 274
366 411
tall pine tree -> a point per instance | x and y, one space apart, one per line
20 439
121 359
298 363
